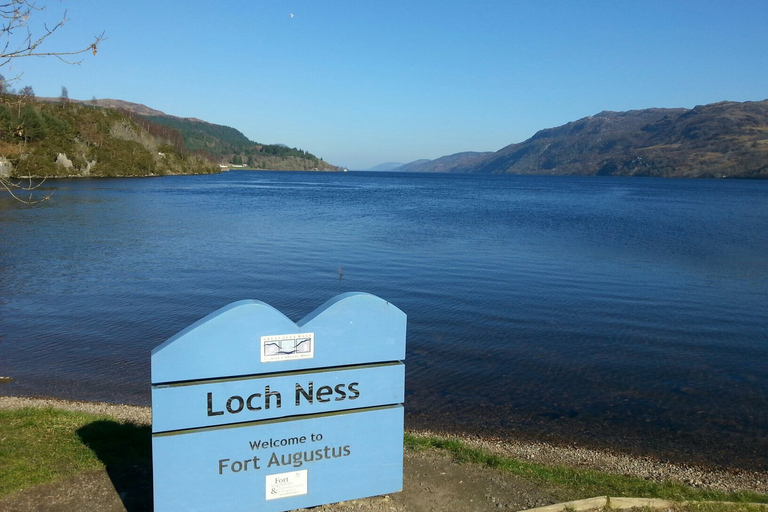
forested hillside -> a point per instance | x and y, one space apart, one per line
224 144
65 138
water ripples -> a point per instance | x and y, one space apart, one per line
606 310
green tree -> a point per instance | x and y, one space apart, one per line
31 124
23 37
6 123
56 127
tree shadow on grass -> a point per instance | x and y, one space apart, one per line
126 451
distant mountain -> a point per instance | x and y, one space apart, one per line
726 139
135 108
386 166
457 162
416 164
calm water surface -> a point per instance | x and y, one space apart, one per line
627 313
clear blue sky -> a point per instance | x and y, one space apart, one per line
361 82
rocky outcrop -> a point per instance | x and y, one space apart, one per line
64 162
6 167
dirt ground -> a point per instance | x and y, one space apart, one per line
432 480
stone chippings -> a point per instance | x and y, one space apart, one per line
126 413
643 467
433 481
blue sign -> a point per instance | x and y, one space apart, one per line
250 409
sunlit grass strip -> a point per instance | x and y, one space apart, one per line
42 445
584 482
614 504
723 507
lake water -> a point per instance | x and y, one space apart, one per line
615 312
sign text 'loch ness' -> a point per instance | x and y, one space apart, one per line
249 407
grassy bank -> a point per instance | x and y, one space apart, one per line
45 445
584 482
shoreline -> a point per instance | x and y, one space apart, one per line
645 467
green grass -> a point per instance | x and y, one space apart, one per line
582 482
709 506
720 507
41 445
45 445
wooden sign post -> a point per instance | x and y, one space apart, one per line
251 411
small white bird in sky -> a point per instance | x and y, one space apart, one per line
291 15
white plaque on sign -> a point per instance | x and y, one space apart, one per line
284 485
287 347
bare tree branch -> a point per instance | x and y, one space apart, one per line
15 187
17 41
17 14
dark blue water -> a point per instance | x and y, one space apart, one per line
628 313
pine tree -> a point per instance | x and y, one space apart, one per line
6 120
32 127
